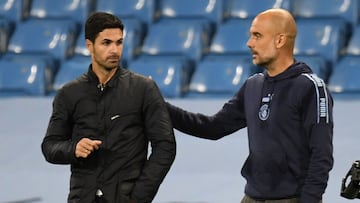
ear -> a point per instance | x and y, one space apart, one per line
281 40
90 46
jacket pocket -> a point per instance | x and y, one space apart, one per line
268 171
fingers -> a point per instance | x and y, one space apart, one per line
96 144
86 146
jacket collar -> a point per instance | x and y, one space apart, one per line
92 77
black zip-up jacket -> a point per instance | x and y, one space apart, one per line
125 114
290 129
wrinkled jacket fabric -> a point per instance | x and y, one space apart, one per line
290 129
126 114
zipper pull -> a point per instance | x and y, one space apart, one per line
101 86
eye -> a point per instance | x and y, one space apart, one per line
257 35
106 42
119 42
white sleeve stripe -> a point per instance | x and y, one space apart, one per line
322 103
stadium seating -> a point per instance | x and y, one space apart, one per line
220 76
345 77
171 74
44 36
75 10
349 10
353 47
176 38
15 11
80 44
20 78
208 12
4 34
71 69
249 9
231 37
317 64
183 33
51 64
133 36
324 37
145 11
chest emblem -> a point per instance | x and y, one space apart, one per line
264 112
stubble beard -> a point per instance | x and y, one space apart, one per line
107 66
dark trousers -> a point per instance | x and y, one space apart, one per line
248 199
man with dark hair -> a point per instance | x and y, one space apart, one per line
102 124
287 111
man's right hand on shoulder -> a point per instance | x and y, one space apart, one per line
85 147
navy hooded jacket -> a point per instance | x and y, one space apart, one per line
290 129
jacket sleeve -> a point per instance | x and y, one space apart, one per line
228 119
318 105
159 132
57 146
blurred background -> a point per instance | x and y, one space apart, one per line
196 52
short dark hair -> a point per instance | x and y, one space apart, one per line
99 21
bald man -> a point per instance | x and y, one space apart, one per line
287 111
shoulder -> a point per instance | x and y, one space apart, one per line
126 73
257 76
255 79
75 82
137 82
139 79
312 81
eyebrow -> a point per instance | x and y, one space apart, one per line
255 33
109 40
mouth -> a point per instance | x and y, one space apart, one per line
113 59
254 54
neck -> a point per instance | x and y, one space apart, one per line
279 67
104 75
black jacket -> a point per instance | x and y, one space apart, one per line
290 129
126 114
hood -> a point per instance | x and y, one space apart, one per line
295 69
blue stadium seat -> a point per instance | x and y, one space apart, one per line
5 33
75 10
19 78
70 70
80 44
317 64
208 12
176 38
345 77
15 11
139 9
324 37
51 64
170 74
249 9
133 36
349 10
220 76
44 36
231 37
353 47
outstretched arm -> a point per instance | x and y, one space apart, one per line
227 120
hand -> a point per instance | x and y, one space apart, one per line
85 147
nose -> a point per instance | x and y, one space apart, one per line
249 43
113 47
